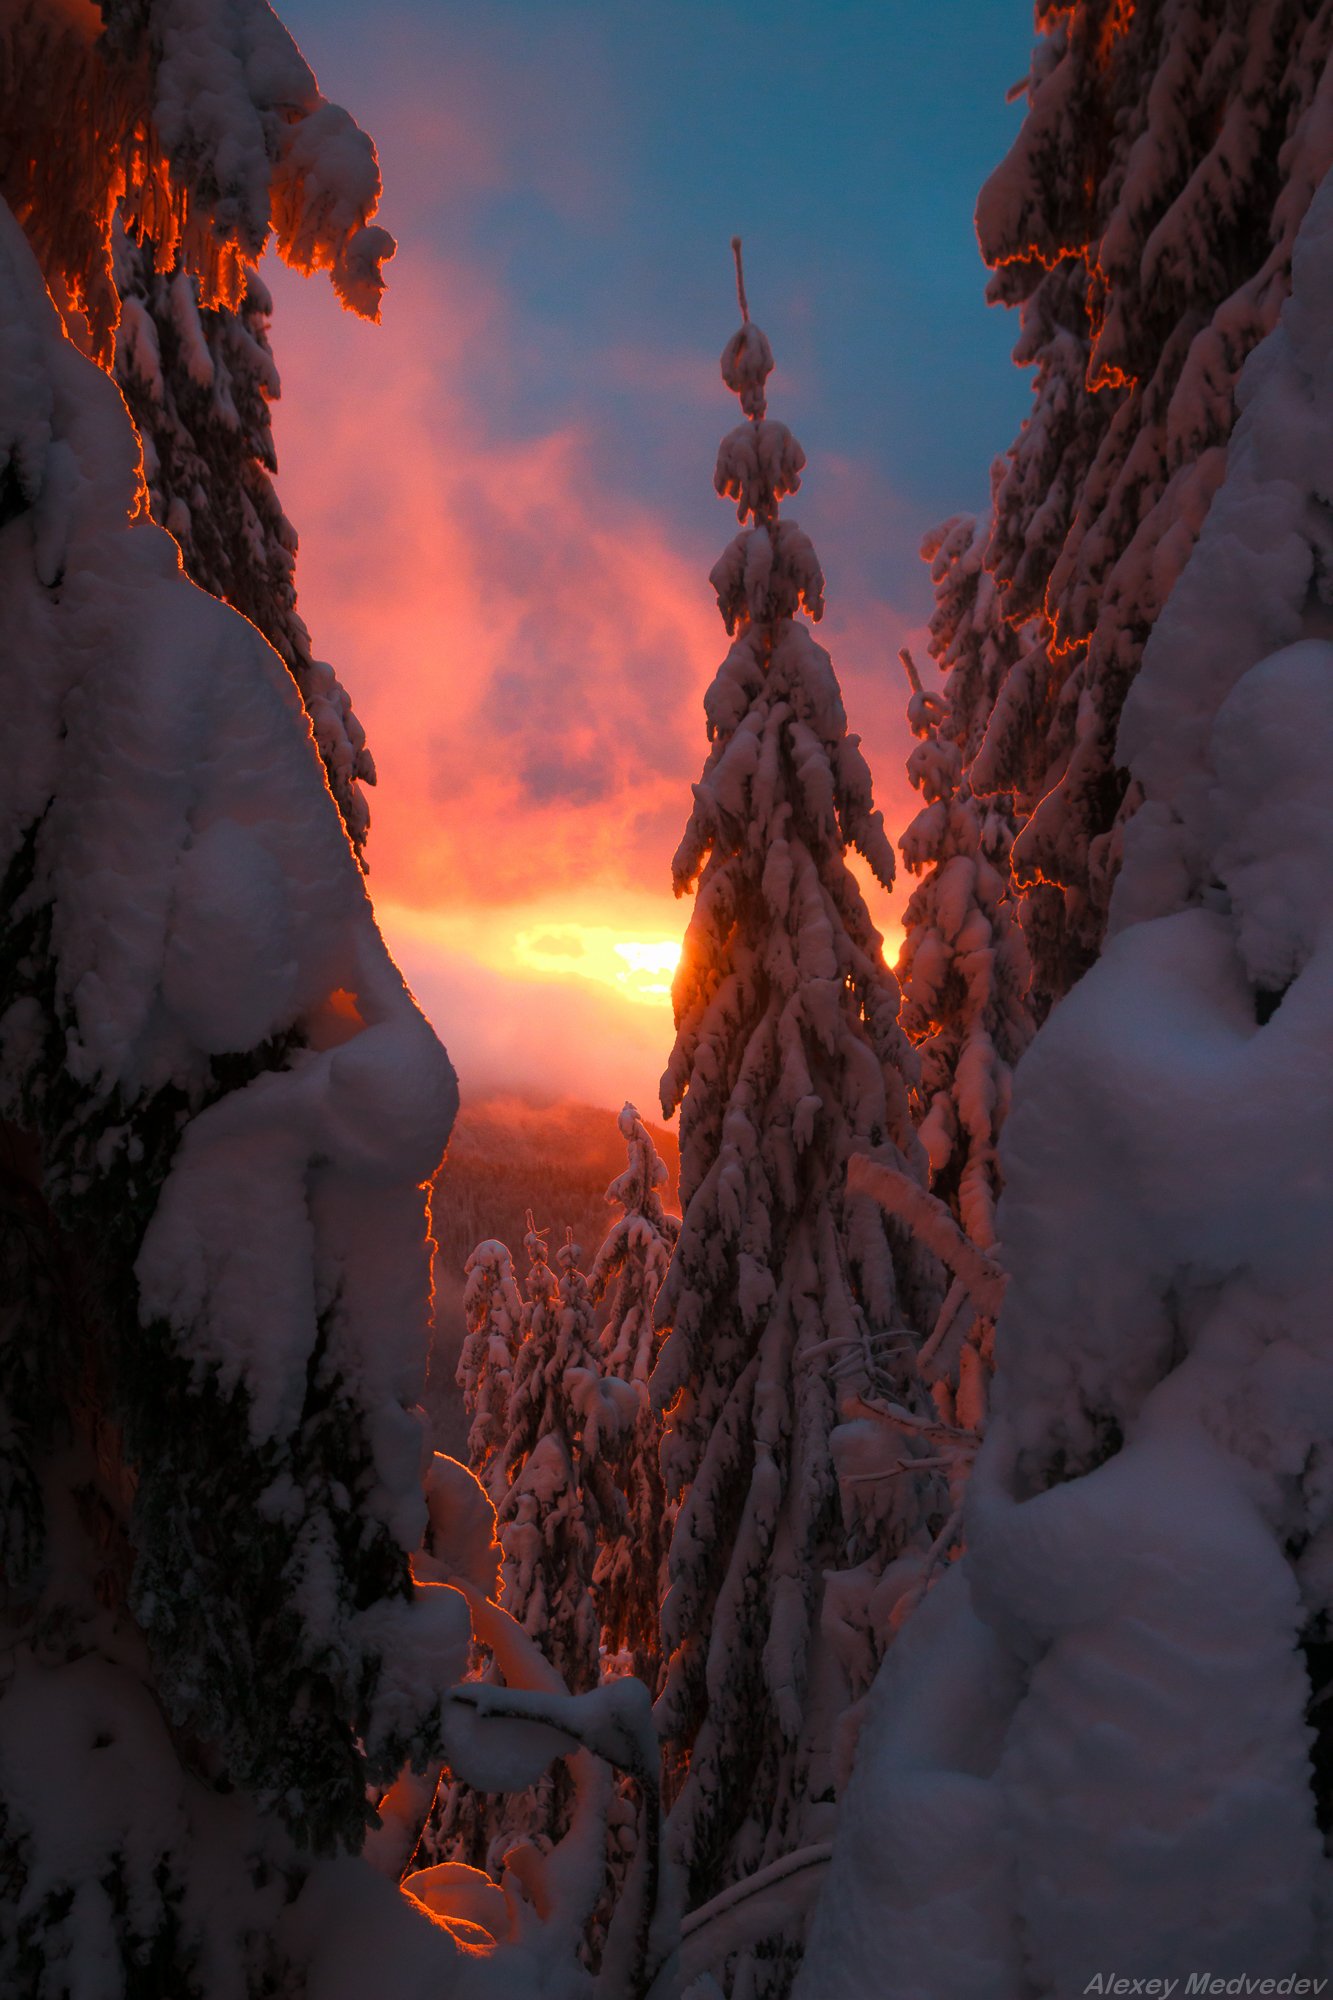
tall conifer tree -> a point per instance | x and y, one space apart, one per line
964 967
788 1059
558 1486
557 1505
1105 1735
493 1313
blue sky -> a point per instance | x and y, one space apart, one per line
845 142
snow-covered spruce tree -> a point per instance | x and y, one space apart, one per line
493 1314
219 1104
964 967
1106 1735
150 163
1143 222
561 1498
629 1578
970 640
964 975
788 1059
963 970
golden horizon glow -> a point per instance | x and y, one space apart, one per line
638 969
608 940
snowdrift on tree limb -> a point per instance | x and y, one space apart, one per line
150 151
1106 1739
200 122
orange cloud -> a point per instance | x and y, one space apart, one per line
527 651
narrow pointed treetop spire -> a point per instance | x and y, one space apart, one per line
783 1289
747 358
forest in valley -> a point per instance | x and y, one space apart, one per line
861 1526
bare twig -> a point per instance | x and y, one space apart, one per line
740 280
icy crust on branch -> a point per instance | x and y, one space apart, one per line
1108 1736
747 363
201 122
237 1103
199 381
245 128
768 573
758 465
783 1289
1143 223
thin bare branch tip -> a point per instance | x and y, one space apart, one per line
740 280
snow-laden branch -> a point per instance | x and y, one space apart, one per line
934 1225
508 1727
742 1914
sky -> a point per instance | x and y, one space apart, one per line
504 491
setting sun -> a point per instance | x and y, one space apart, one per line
578 986
638 968
661 958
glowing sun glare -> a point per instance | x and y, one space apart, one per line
638 968
661 958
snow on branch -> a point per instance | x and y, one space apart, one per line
934 1225
196 125
502 1737
743 1914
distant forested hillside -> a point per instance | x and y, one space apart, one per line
509 1154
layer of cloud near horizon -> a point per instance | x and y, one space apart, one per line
508 567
